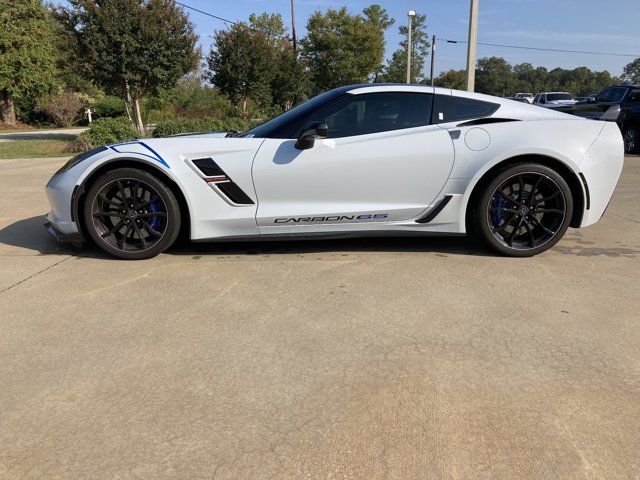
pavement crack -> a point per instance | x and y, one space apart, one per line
39 272
623 218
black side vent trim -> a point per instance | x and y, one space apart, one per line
216 176
586 191
434 212
235 193
208 166
486 121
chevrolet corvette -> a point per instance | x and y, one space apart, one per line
360 160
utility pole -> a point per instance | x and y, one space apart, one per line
433 57
472 46
410 16
293 30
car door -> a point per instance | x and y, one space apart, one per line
383 161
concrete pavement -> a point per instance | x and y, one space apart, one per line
383 358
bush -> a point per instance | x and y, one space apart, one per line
206 124
63 108
109 107
109 130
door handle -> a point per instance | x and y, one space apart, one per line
455 134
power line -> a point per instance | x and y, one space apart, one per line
520 47
226 20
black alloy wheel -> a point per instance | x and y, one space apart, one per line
525 210
131 214
631 137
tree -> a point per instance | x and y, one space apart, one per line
242 64
270 24
378 17
26 54
396 69
494 76
291 83
455 79
131 48
341 48
631 72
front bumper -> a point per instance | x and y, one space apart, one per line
74 238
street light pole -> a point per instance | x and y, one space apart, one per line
433 57
293 30
472 46
410 15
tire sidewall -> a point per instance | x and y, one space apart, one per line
169 199
482 225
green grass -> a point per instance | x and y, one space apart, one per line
34 148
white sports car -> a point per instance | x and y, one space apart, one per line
355 161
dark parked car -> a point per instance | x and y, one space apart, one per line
620 104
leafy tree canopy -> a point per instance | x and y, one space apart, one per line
26 53
131 48
341 48
631 72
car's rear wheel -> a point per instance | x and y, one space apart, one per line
631 136
524 210
131 214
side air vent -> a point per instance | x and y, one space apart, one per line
214 175
208 167
435 211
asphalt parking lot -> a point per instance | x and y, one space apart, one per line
372 358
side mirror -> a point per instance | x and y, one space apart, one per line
592 99
310 133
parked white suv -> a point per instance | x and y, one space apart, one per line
554 99
526 96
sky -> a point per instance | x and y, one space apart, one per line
588 25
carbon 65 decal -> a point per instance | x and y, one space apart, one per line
333 218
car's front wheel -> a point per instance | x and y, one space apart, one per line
524 210
131 214
631 136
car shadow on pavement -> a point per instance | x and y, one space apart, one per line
30 234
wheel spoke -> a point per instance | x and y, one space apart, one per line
152 214
146 203
507 197
150 229
530 232
503 209
506 224
513 232
553 195
114 229
521 192
549 210
123 195
534 190
537 222
124 237
139 232
108 201
111 213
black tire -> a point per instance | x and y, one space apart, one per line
524 210
130 214
631 136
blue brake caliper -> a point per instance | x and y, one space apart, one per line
497 215
156 220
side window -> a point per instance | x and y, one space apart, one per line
453 109
605 95
634 96
617 94
536 99
376 112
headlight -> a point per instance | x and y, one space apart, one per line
78 158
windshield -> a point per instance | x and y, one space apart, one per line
298 111
558 96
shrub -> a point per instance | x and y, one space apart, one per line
109 107
109 130
63 108
206 124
